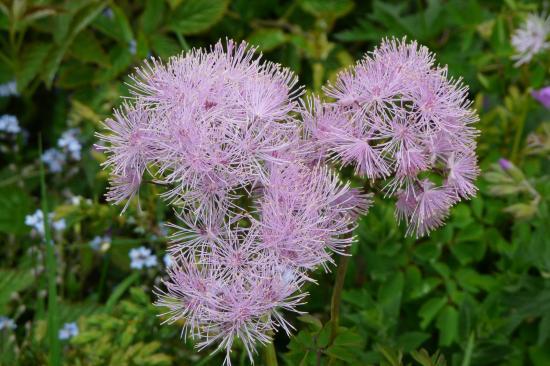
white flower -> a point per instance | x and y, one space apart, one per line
530 38
8 89
168 260
9 124
68 331
142 258
54 159
7 323
69 143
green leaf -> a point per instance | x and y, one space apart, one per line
429 310
164 46
329 9
267 39
80 21
309 319
119 290
152 16
410 341
324 335
13 281
87 48
15 204
75 75
31 63
196 16
447 323
424 358
393 357
544 329
389 296
123 23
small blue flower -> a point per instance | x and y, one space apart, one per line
68 331
142 257
132 46
100 241
54 159
7 323
108 13
8 89
36 221
69 143
9 124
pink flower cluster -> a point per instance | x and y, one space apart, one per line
218 130
258 205
399 117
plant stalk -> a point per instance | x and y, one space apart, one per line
51 267
337 294
270 355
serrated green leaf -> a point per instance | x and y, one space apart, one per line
152 16
196 16
87 48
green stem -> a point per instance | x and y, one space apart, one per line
337 295
270 355
469 350
517 138
51 267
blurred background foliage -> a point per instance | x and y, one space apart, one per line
476 292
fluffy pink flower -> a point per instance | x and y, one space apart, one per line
207 123
305 215
128 144
396 115
217 129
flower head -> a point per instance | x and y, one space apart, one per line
68 331
8 89
54 160
530 38
397 116
7 323
69 143
142 257
36 221
543 96
209 122
9 124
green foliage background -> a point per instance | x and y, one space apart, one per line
476 292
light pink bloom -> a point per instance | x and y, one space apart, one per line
396 116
